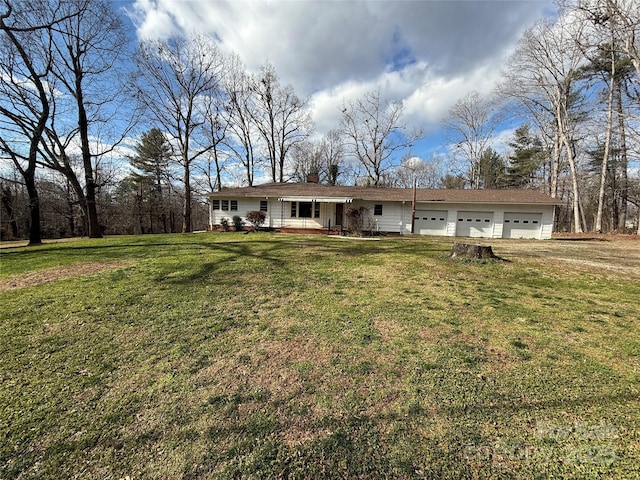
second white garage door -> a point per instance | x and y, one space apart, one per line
522 225
431 222
474 224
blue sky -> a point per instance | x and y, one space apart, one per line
425 54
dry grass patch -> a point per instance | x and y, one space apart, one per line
391 331
611 256
53 274
279 376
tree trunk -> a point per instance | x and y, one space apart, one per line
90 185
468 250
7 202
577 224
607 145
218 172
624 163
186 209
35 233
71 221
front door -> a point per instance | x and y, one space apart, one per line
339 213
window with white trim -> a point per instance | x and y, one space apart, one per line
377 209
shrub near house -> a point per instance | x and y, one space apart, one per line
257 218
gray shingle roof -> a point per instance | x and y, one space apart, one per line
311 190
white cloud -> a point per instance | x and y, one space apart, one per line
152 20
426 54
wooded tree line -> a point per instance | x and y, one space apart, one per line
74 89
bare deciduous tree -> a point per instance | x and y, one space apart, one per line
374 133
176 76
323 157
25 64
626 17
543 75
425 174
87 48
470 127
608 44
242 130
281 116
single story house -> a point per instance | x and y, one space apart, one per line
453 213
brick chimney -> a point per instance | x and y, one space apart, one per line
313 178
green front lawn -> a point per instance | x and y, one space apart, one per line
286 356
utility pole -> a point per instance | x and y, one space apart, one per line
413 205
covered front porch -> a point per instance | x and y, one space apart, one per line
313 213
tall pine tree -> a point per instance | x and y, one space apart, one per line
492 169
526 159
152 164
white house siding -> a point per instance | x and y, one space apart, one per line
277 214
396 216
244 205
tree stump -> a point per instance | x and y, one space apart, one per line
468 250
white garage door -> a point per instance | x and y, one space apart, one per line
474 224
431 222
522 225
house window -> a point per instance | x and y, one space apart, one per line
225 204
377 209
263 205
304 209
215 204
234 205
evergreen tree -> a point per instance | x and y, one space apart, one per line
451 181
527 158
152 162
492 169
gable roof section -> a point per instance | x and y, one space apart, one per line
314 191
